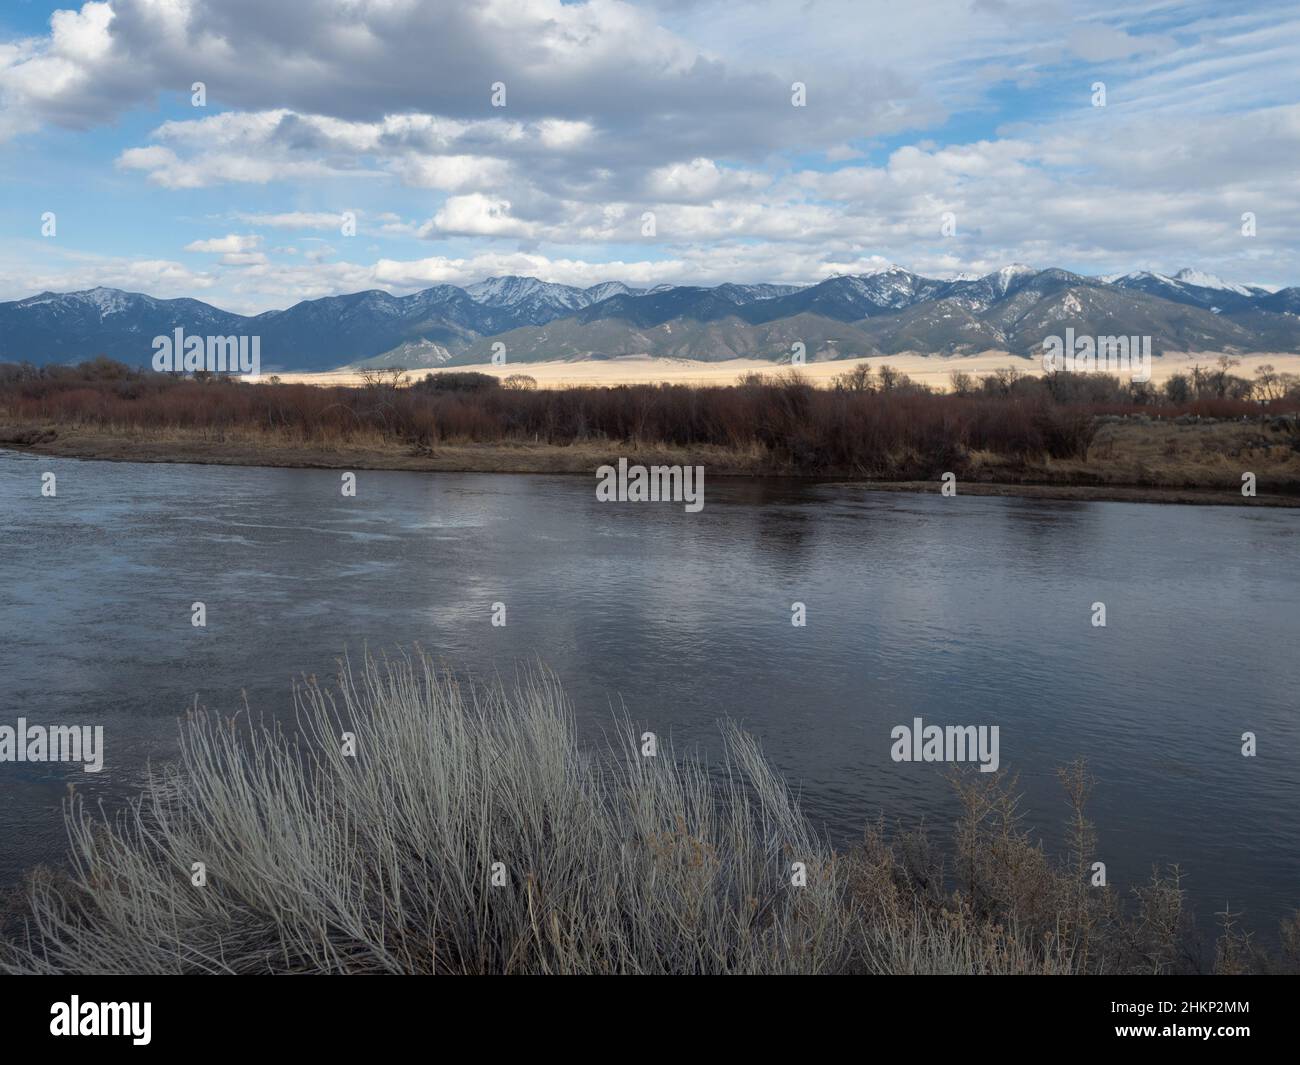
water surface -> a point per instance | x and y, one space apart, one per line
959 611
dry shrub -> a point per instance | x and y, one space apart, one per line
610 862
901 433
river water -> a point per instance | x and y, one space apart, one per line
957 611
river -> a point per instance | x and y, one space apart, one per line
955 610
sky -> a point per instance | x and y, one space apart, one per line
651 142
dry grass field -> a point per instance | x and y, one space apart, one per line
932 370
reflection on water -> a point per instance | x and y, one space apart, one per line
959 611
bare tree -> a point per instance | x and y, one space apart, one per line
1219 381
858 379
1268 383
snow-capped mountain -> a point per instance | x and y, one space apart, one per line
606 289
893 310
1004 279
1188 276
1195 288
61 327
885 310
541 301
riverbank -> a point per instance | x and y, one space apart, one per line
1198 464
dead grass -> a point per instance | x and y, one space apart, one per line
1158 462
247 447
1152 453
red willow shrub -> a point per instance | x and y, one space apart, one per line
903 433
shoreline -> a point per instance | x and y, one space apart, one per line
578 459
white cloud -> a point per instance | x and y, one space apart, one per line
478 215
233 243
451 172
295 219
244 258
560 134
25 270
700 179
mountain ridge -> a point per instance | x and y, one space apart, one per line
884 311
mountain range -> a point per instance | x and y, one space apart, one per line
888 311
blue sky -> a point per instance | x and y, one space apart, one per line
981 111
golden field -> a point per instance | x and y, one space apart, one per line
933 370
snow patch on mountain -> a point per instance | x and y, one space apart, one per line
1196 277
1004 278
607 289
512 291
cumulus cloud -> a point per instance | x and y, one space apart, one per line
25 271
420 151
231 244
478 215
165 168
451 172
573 68
700 179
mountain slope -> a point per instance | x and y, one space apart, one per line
1195 289
1013 309
884 312
54 327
